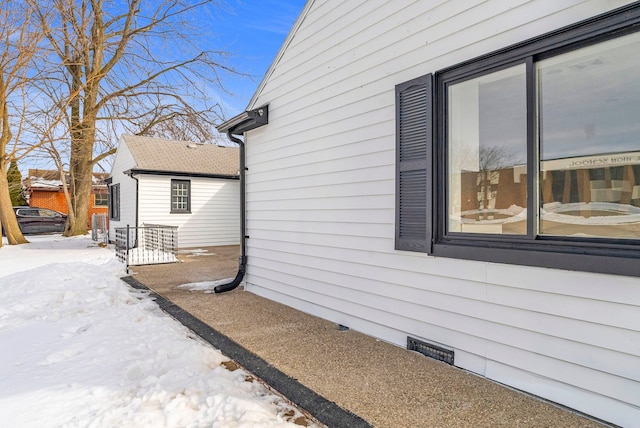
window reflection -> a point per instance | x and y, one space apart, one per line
487 184
589 112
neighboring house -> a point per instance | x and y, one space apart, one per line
44 189
176 183
461 173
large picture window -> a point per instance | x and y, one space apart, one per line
536 151
180 196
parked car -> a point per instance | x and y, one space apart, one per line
39 220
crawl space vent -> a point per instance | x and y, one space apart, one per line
430 350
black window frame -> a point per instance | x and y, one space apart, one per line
114 202
188 208
604 255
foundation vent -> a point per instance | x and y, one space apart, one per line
430 350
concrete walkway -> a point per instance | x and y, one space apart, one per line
383 384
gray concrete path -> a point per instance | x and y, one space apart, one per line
384 384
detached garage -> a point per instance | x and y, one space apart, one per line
191 186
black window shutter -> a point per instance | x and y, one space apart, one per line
414 134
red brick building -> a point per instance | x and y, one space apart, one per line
43 189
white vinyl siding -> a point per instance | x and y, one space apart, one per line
214 216
321 209
123 162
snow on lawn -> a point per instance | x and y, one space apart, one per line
80 348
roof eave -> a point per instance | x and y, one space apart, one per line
245 121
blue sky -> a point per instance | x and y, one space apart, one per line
252 31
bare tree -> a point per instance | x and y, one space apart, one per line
123 67
491 160
183 127
18 47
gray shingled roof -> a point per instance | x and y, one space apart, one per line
157 154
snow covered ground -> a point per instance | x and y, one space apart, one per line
80 348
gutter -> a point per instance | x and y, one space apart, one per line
139 171
238 125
